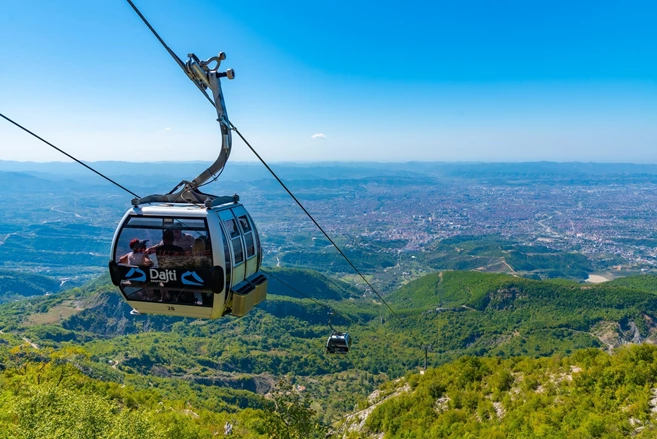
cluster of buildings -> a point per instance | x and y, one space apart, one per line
613 223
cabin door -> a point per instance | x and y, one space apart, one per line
235 243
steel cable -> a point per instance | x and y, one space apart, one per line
67 154
234 128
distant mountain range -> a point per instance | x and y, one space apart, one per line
15 285
246 171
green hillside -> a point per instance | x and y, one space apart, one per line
585 395
447 289
643 283
282 336
494 254
61 394
489 314
15 285
231 363
311 283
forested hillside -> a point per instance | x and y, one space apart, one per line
47 394
494 254
16 285
587 394
229 365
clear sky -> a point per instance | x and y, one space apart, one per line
486 80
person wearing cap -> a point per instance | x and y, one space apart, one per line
138 256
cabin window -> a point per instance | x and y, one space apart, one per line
171 296
166 260
248 236
236 241
227 263
259 248
244 222
164 242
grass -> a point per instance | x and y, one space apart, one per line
54 315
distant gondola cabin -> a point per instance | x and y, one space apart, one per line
188 260
338 343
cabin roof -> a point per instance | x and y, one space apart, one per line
193 210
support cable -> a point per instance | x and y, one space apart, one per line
234 128
332 310
171 52
127 190
67 154
269 273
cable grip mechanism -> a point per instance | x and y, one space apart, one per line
199 71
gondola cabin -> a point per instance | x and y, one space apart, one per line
338 343
188 260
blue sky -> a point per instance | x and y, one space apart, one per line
382 81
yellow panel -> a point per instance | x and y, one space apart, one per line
251 265
238 274
243 303
260 292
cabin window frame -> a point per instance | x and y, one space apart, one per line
204 292
126 225
252 234
231 239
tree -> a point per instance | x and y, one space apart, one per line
289 415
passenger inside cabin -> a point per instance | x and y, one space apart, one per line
207 299
138 256
168 254
200 258
153 295
198 248
182 239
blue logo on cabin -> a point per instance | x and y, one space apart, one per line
196 279
136 275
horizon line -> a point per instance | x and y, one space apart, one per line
455 162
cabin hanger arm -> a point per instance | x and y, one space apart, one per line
205 77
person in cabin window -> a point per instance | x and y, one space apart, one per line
153 295
168 254
182 239
200 257
138 257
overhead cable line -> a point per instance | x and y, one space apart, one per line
171 52
234 128
67 154
312 219
333 311
269 273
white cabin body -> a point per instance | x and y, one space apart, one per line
188 260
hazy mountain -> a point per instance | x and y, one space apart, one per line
15 285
